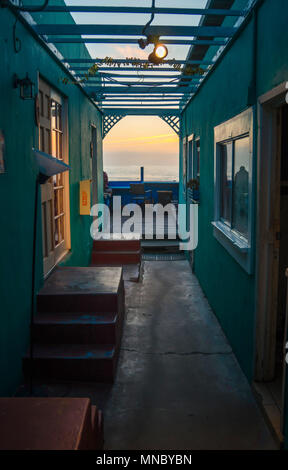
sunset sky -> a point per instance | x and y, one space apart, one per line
140 141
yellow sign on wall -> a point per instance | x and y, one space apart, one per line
85 197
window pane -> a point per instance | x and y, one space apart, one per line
47 102
184 169
61 227
56 123
56 233
190 160
226 151
197 170
41 103
44 235
241 185
42 139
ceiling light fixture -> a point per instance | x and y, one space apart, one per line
159 53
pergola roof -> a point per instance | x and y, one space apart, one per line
125 86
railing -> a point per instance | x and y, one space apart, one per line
121 188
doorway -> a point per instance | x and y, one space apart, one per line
272 255
53 140
192 174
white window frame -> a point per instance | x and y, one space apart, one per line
192 156
184 163
237 245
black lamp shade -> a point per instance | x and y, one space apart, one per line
26 87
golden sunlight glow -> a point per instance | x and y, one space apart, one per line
146 139
161 51
141 141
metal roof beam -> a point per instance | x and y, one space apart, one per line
142 10
130 75
134 84
137 105
102 75
125 69
133 30
135 61
138 97
153 94
142 100
142 111
142 90
188 42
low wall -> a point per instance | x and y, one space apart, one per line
121 188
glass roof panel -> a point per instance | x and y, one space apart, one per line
124 80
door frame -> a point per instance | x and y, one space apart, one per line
61 250
56 257
190 156
66 174
94 157
268 224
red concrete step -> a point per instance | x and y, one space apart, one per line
81 362
132 272
93 289
50 424
116 258
77 328
117 245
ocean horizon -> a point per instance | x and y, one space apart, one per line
151 173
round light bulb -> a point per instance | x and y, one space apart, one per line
161 51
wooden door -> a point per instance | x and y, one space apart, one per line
47 201
47 193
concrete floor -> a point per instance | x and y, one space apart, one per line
178 385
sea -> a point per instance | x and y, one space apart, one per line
151 173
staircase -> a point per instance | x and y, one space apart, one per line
116 252
78 325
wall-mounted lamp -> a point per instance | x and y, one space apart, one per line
26 87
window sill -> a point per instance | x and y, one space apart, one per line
236 245
235 239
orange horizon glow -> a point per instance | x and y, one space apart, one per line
146 139
142 141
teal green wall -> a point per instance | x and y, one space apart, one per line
230 290
17 187
67 50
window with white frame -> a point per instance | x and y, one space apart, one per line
190 157
233 186
193 158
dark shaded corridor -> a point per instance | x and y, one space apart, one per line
178 385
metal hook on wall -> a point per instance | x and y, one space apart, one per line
16 41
